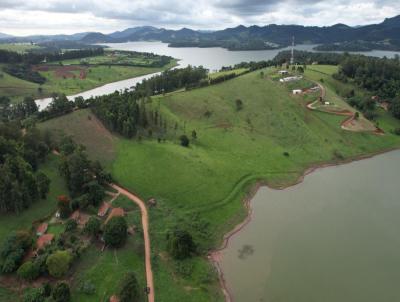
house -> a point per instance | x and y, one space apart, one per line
116 212
103 209
326 103
41 229
283 72
297 91
44 240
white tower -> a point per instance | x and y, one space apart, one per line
292 57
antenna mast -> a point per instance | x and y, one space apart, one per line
292 57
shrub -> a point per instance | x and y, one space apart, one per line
87 287
129 289
58 263
28 271
396 131
34 295
115 231
180 244
61 292
184 140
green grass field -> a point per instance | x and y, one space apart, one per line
18 47
273 139
238 71
17 89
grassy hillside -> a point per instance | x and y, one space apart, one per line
273 139
86 129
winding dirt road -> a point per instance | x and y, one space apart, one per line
145 225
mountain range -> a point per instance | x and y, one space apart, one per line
385 35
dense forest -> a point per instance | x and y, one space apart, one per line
20 154
380 76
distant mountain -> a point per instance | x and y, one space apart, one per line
4 36
385 35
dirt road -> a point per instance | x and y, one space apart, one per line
145 225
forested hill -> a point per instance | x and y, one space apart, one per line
385 35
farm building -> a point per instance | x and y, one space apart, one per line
283 72
41 229
297 91
44 240
291 79
103 209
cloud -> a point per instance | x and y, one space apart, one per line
51 16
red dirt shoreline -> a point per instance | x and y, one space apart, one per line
215 255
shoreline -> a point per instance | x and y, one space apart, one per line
215 257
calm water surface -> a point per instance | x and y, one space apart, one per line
210 58
333 238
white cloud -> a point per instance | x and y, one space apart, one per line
60 16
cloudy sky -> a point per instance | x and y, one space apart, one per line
25 17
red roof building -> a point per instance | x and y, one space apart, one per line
44 240
41 229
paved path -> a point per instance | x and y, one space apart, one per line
145 225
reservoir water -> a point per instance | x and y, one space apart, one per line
211 58
334 237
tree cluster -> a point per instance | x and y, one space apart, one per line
20 183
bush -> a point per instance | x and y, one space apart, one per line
115 231
58 263
61 293
396 131
184 140
129 289
28 271
70 225
34 295
87 288
180 244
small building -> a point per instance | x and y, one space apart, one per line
103 209
327 103
283 72
291 79
41 229
297 91
43 241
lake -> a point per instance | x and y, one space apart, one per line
211 58
334 237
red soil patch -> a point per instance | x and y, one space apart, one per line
116 212
103 209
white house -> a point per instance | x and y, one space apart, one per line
283 72
297 91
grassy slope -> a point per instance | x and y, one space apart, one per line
18 47
86 130
229 155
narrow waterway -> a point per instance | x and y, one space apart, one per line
334 237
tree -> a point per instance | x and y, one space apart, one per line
115 231
92 226
58 263
356 115
43 183
194 134
129 289
184 140
30 106
70 225
28 271
64 206
61 292
180 244
395 108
